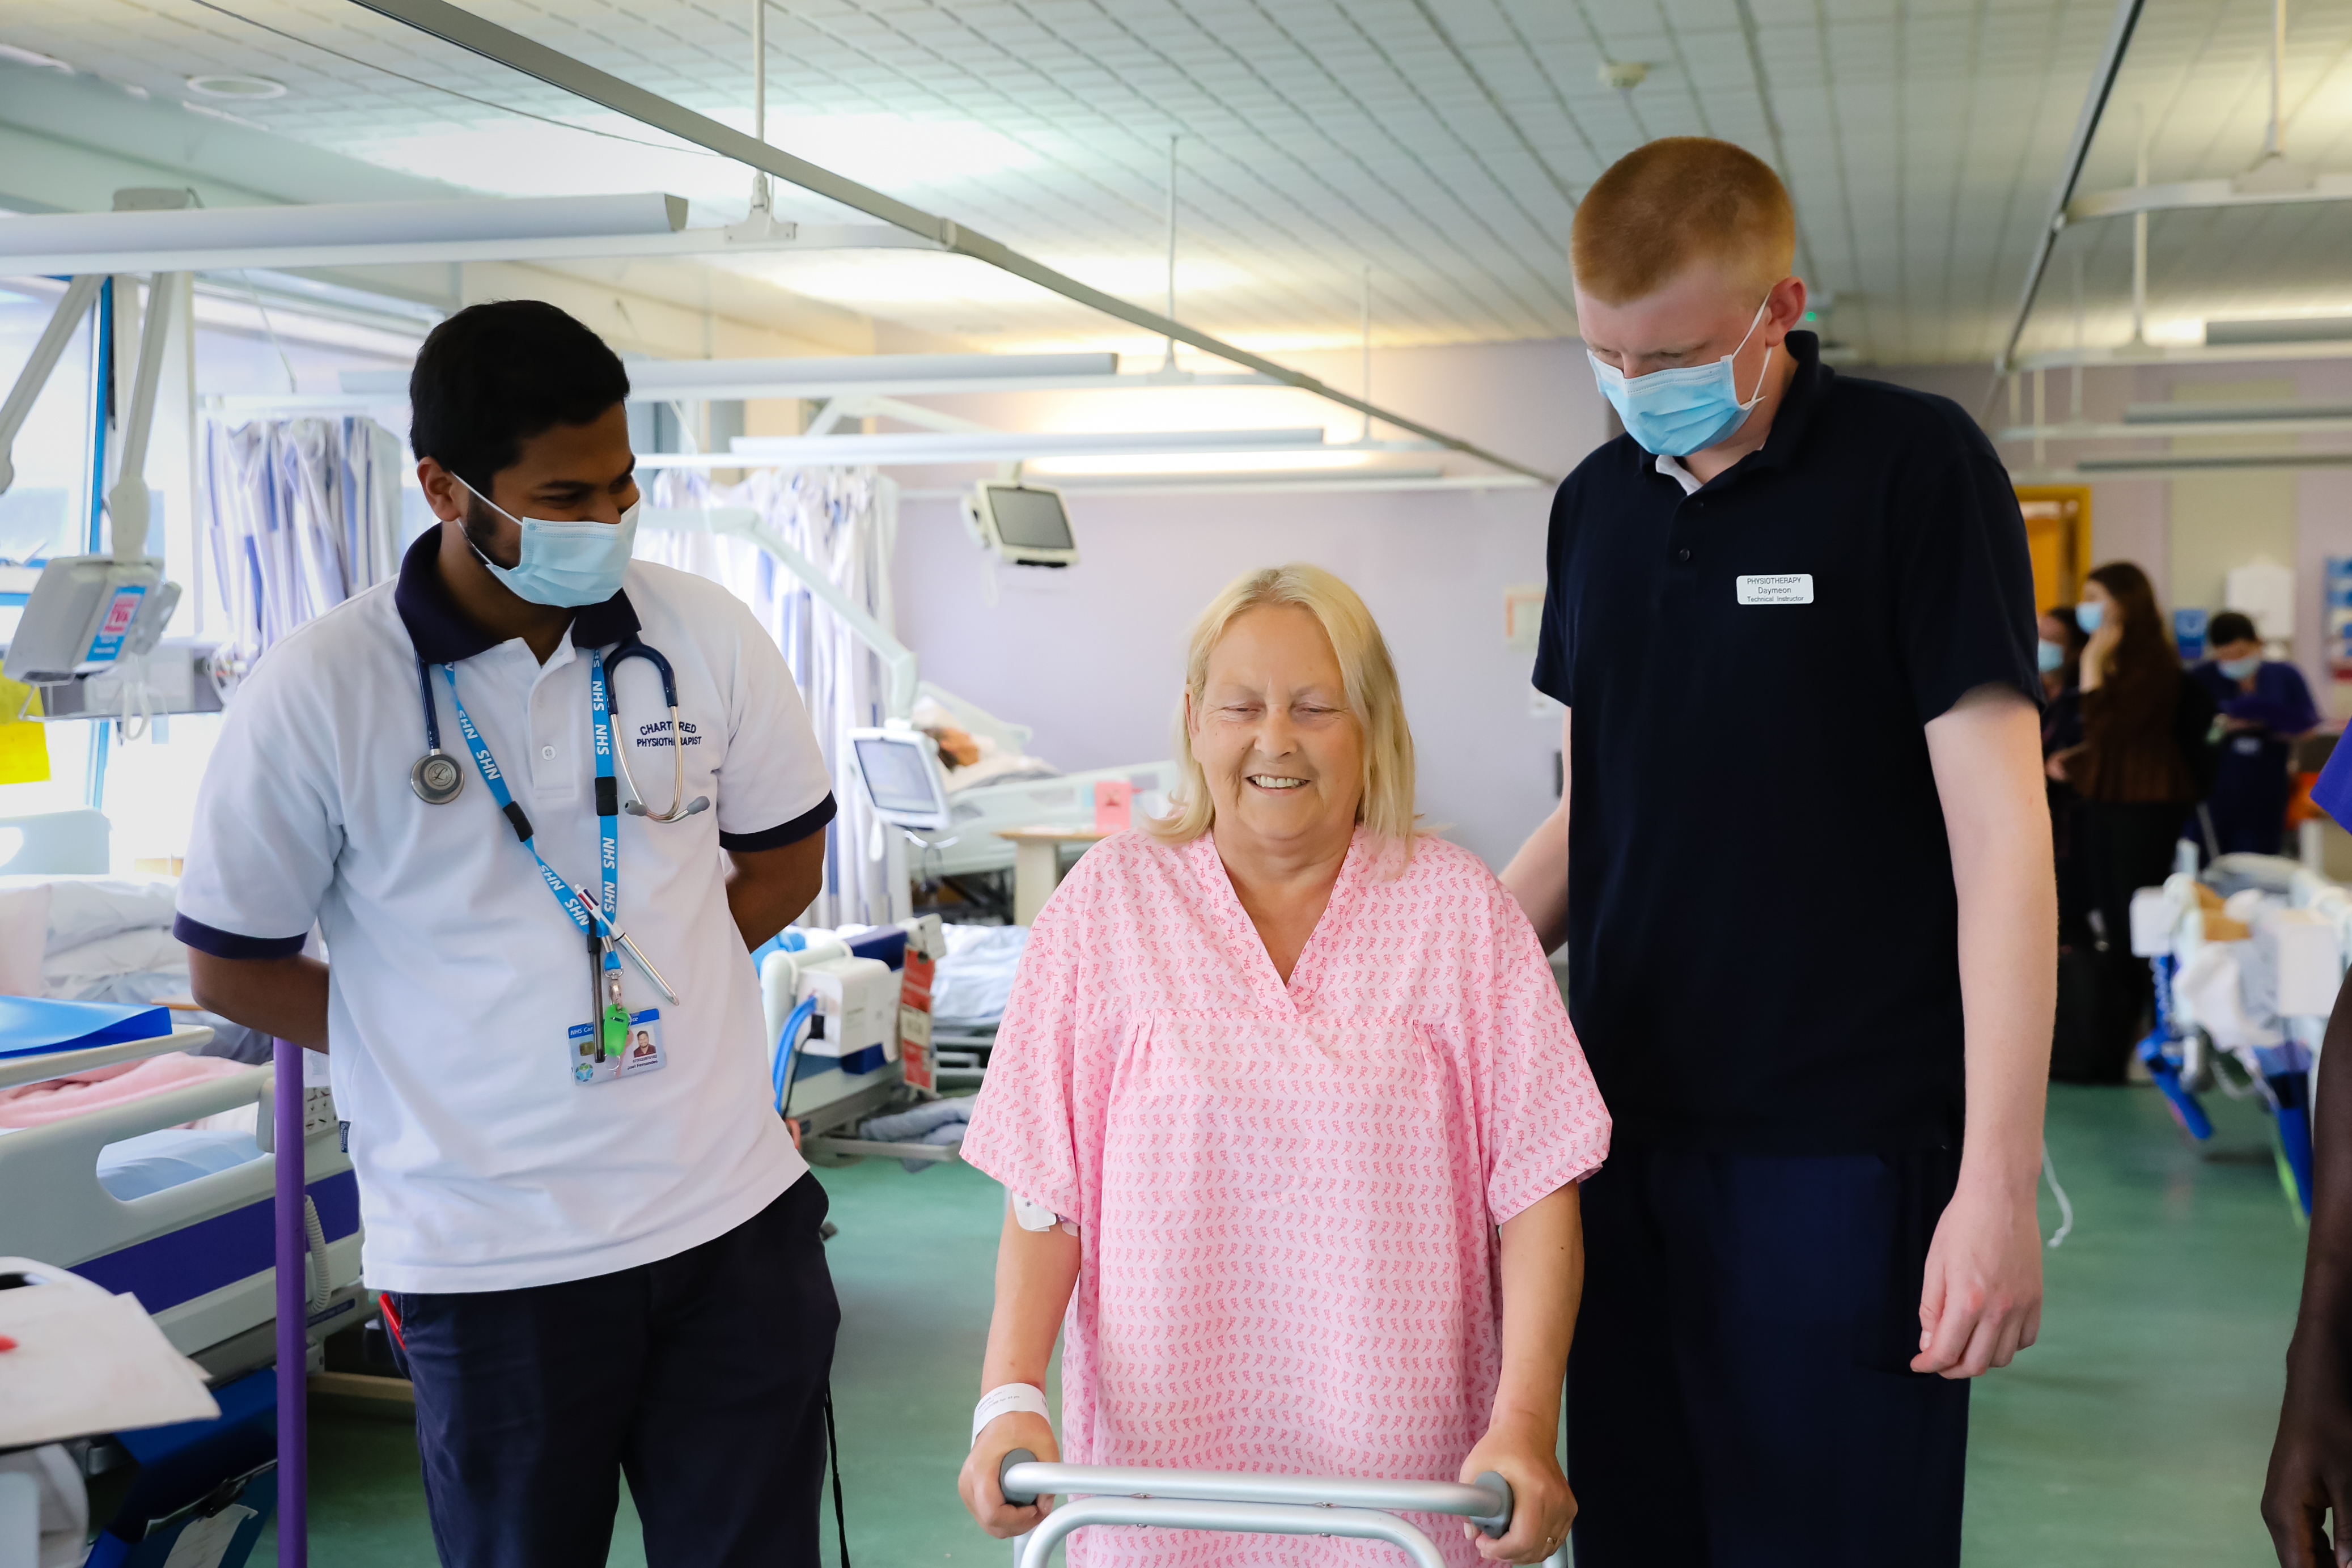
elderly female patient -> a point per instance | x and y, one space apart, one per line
1272 1074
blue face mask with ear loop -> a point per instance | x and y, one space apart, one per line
564 564
1673 413
2049 656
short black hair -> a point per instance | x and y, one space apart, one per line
494 376
2229 627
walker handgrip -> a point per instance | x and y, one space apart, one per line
1004 1468
1494 1525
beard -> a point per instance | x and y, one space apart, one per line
481 526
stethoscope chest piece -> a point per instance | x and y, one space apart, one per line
436 778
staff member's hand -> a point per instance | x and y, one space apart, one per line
1542 1508
1013 1429
1980 1301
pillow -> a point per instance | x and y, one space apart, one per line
24 937
75 972
84 909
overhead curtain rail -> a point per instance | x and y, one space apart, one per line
2094 105
510 48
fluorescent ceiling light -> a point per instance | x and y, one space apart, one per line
324 235
2280 329
34 57
2234 413
659 380
929 447
1201 463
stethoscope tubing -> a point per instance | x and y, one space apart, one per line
680 808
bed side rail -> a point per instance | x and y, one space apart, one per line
56 1209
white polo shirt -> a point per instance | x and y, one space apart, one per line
456 975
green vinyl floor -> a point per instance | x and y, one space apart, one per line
2135 1433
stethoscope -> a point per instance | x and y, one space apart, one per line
437 779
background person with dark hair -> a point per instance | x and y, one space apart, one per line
597 1246
2265 705
2141 766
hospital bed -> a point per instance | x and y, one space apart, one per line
1011 789
2248 959
196 1252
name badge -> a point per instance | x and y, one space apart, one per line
1778 588
640 1053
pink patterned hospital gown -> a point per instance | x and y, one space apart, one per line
1287 1195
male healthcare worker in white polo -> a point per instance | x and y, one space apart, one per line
599 1260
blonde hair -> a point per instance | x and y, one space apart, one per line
1386 805
1674 202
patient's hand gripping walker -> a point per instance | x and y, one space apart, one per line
1247 1503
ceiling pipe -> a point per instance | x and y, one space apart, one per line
2094 105
510 48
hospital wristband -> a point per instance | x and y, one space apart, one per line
1005 1398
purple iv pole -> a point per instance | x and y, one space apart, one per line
293 1316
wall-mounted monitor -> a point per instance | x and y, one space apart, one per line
1025 524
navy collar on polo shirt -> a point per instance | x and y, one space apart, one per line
444 634
1790 418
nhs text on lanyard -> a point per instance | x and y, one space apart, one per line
616 1043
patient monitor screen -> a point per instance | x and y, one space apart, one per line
1030 520
895 775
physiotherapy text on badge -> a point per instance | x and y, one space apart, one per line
1778 588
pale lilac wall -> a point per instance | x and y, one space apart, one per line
2130 518
1092 657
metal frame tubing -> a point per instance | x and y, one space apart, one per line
293 1313
1250 1517
2094 105
1033 1478
474 34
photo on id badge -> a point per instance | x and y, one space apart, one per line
640 1052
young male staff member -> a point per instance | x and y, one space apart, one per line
598 1257
1802 869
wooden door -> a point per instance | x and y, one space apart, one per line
2058 537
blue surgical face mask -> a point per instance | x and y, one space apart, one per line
2089 614
1674 413
564 564
2049 656
2239 668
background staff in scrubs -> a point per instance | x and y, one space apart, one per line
2265 706
593 1260
1794 995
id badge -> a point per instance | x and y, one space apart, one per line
643 1051
640 1052
589 1063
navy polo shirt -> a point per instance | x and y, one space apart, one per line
1762 928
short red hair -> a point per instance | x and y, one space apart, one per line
1674 202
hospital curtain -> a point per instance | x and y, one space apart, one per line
844 521
295 516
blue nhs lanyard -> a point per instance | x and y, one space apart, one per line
599 923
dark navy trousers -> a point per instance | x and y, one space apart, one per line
1740 1393
701 1376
